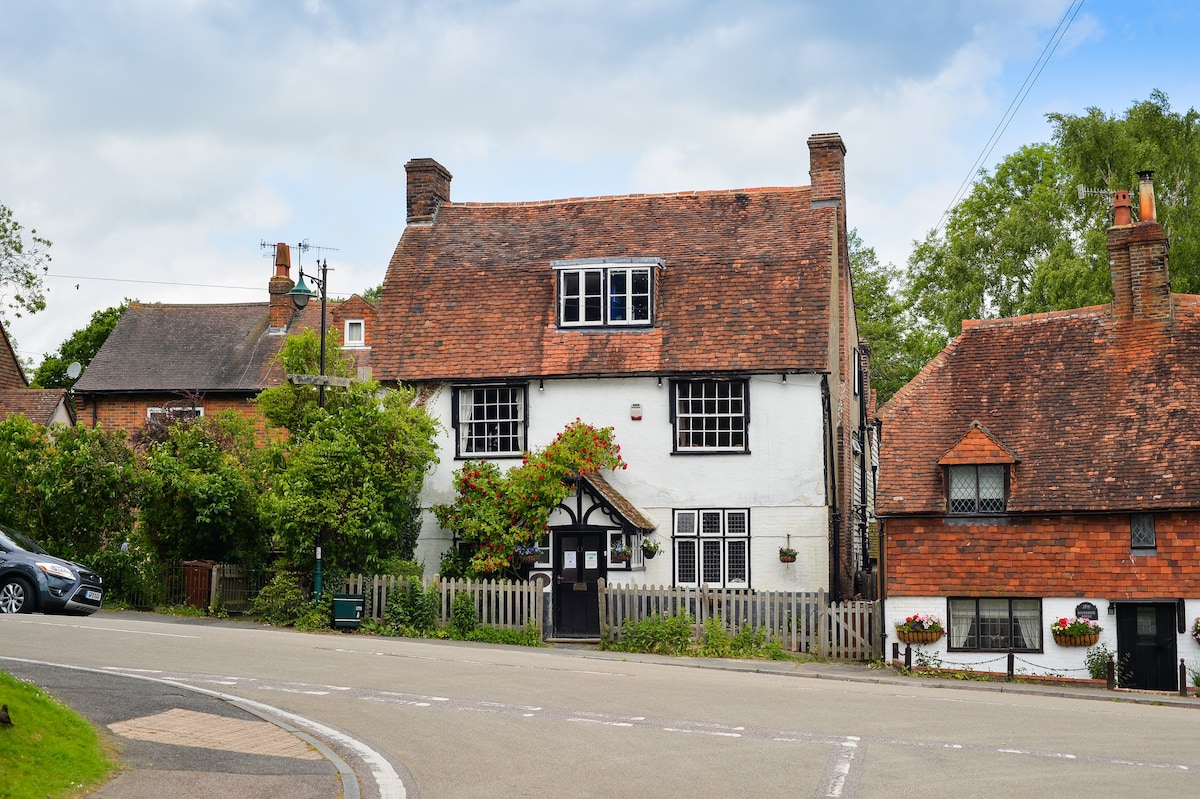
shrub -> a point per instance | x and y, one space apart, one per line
282 601
670 635
464 620
412 610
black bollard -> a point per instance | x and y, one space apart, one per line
1110 672
1012 662
1182 677
908 656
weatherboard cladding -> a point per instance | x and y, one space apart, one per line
1101 414
209 348
745 287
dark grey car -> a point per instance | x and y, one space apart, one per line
32 579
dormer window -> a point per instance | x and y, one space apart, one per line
355 334
606 293
977 488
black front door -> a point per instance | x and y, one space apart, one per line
1146 645
580 558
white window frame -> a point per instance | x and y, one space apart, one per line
361 339
181 412
469 431
704 410
596 285
712 547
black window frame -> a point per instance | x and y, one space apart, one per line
460 452
978 626
1145 542
978 508
730 546
677 434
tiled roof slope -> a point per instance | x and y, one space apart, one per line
976 447
1102 415
37 404
215 348
746 287
11 374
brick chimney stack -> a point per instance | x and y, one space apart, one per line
428 187
281 283
1137 258
827 172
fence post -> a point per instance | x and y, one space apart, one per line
602 597
1012 662
823 631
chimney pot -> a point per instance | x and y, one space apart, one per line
1121 208
283 260
1146 211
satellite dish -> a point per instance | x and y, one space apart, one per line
74 370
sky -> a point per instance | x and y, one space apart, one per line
159 143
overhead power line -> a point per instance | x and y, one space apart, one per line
1035 72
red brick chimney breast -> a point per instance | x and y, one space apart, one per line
278 287
428 187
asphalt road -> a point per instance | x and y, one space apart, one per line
461 720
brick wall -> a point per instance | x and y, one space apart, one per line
1041 556
128 412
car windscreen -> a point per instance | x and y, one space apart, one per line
10 539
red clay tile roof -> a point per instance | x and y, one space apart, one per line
1101 415
37 404
746 286
11 374
976 447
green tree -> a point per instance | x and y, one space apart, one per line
200 490
351 478
295 407
899 346
80 348
72 490
23 265
1024 241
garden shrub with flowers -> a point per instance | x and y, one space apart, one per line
921 621
1196 630
499 511
1065 626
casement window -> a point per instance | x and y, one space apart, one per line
596 293
355 335
710 415
995 624
1141 532
977 489
712 547
190 412
489 421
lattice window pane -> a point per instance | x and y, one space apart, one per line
710 522
685 561
1141 531
710 561
962 489
736 523
737 570
685 522
991 489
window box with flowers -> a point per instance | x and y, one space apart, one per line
621 552
920 628
787 555
1075 632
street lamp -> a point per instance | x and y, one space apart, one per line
300 295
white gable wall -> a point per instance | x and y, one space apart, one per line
781 480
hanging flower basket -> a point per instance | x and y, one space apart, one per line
1075 632
920 628
620 557
650 548
787 555
919 636
529 560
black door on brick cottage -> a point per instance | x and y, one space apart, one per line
1146 650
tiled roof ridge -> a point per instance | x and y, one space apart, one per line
139 304
620 197
1033 318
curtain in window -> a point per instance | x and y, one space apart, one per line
962 617
1027 624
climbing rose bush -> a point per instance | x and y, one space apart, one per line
501 511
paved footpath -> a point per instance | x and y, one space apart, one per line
175 741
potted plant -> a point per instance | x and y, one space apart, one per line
920 628
650 548
529 553
1075 632
1196 630
621 552
787 555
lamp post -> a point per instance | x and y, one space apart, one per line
300 295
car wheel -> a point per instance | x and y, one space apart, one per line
16 596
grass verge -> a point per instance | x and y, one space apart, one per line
49 752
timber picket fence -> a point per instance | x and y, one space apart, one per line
799 621
501 603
